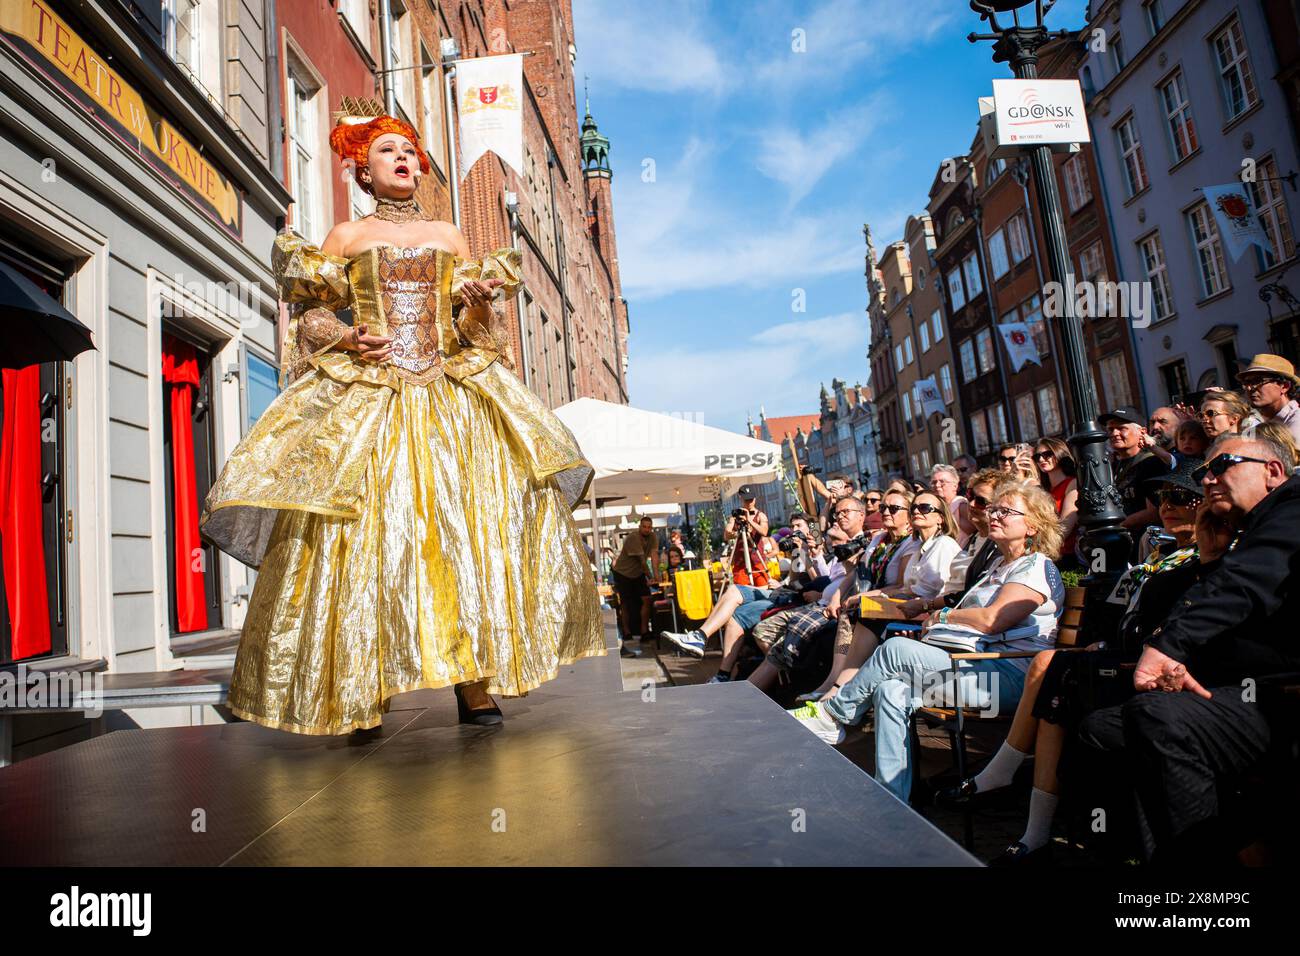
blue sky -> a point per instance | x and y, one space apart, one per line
744 170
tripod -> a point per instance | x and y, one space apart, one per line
742 540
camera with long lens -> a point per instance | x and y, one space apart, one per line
739 513
850 548
791 542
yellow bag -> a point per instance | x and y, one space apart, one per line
694 594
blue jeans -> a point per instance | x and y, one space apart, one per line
902 675
753 603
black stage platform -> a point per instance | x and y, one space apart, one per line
581 773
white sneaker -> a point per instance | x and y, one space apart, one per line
692 642
718 679
813 716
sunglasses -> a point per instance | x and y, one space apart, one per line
1222 463
1259 383
1007 460
979 501
893 509
1179 498
924 509
1043 455
999 513
874 501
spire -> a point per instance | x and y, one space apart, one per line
594 147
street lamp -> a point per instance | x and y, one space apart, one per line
1101 513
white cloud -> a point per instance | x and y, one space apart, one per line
799 159
661 47
781 367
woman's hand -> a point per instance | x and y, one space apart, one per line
913 607
478 292
372 348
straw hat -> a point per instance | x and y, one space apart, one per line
1273 365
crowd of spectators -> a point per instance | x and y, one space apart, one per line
884 585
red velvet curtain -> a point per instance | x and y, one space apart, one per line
21 533
181 375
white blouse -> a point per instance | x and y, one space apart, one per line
928 572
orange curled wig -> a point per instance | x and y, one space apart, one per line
352 140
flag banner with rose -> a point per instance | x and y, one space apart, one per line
1021 348
489 98
1238 225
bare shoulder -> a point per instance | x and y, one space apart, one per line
340 238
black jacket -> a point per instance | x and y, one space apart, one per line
1240 620
974 571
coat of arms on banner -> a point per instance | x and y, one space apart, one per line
1233 206
478 98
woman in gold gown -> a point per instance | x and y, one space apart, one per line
406 499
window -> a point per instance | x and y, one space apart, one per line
955 289
997 424
305 166
984 349
1174 377
1026 416
1270 206
1155 18
1209 251
1236 81
1031 313
916 465
925 461
907 411
435 133
1114 381
998 262
1117 58
936 325
898 358
263 386
1178 116
1153 261
907 350
1018 238
1130 150
996 168
181 33
945 384
979 433
970 265
403 76
966 353
1092 262
356 13
360 204
924 332
920 278
896 297
1049 410
1077 189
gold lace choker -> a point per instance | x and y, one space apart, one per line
398 210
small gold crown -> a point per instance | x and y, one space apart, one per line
356 109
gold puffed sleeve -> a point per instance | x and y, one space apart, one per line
505 264
315 284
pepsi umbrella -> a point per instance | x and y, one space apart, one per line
33 326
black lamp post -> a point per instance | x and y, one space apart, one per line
1100 507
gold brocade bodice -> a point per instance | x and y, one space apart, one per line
405 293
409 294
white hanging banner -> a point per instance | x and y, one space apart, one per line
489 97
1021 348
1237 222
930 398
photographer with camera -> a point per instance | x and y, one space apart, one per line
747 527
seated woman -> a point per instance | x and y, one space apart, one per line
884 564
927 572
1014 607
1061 688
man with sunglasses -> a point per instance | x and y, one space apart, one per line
1270 384
1136 469
1203 707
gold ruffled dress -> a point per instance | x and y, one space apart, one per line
411 521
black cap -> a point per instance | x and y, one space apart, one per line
1125 413
1181 477
746 492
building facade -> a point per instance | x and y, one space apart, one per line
1183 96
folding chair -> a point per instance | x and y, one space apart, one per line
953 719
